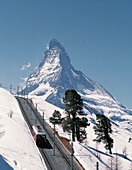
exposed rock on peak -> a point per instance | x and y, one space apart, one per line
55 43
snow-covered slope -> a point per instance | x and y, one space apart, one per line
87 152
54 76
17 147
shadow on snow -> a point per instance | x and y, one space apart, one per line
3 164
122 156
89 149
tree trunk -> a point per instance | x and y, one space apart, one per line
77 128
110 150
73 129
109 147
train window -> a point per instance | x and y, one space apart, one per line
39 129
41 137
44 137
38 137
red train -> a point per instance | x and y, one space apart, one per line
39 136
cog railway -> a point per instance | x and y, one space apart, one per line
43 137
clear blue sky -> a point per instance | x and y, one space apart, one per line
97 34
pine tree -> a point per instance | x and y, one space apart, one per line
103 131
56 117
73 108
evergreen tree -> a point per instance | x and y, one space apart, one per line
103 131
73 108
56 117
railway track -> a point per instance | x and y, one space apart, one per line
43 153
49 159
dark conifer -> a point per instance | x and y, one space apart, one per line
56 117
73 108
103 131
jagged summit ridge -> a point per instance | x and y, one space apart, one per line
55 50
55 43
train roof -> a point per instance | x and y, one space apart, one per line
38 130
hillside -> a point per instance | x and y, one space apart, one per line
17 147
87 152
55 75
47 86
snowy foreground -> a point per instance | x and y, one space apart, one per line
17 148
87 152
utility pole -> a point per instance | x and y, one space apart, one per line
27 107
54 141
22 92
97 166
10 88
18 90
27 92
71 155
36 114
43 118
69 136
30 111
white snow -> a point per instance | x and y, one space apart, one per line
18 150
17 147
55 71
86 152
43 89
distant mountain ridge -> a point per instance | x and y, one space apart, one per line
55 75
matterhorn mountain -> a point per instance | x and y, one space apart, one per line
55 75
56 72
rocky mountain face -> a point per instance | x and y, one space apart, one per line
55 75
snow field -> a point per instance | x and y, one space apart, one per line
17 147
87 152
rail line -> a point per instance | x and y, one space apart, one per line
64 154
43 153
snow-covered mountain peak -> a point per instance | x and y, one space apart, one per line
55 54
55 75
56 70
